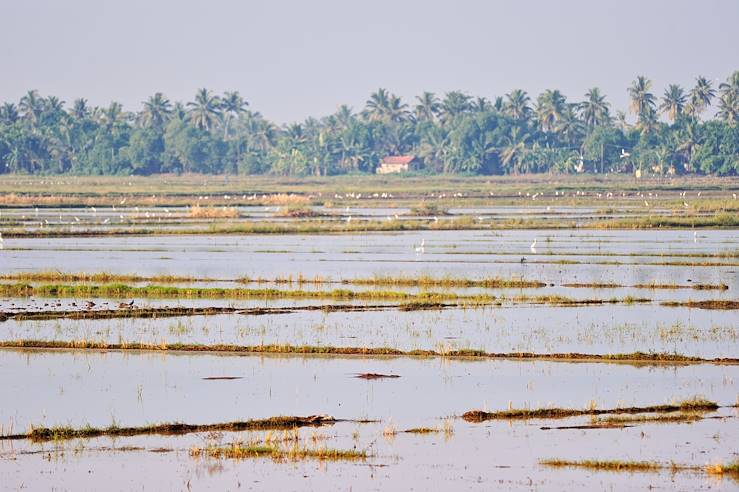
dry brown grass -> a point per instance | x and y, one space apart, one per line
198 212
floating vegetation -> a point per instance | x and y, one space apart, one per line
705 304
669 418
292 453
611 465
634 358
731 469
60 433
694 404
422 430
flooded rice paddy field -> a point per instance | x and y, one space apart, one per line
164 381
144 388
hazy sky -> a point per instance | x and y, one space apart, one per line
291 59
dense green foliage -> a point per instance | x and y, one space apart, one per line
454 134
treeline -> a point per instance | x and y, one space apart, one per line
455 133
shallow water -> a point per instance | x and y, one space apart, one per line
137 389
43 387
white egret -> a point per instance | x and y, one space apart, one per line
422 248
533 246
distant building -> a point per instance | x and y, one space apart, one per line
397 164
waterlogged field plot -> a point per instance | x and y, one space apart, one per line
283 342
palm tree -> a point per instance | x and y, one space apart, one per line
427 107
54 104
673 102
731 86
621 120
454 104
689 138
550 105
568 126
435 147
594 111
513 153
701 96
641 99
205 110
481 105
377 105
397 110
157 111
9 113
112 115
233 105
344 116
728 108
517 104
31 106
80 110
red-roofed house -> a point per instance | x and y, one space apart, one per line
397 164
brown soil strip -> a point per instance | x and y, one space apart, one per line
165 312
274 423
221 378
372 375
693 405
634 357
707 304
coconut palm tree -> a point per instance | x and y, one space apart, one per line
397 110
701 96
568 126
232 105
673 102
435 148
454 104
594 111
377 105
427 107
31 106
514 151
112 115
205 110
517 104
157 111
80 110
550 105
731 85
344 117
9 113
728 108
641 99
689 138
481 105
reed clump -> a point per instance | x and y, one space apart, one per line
694 404
200 212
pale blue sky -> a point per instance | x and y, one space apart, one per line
292 59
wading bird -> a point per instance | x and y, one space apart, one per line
422 248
